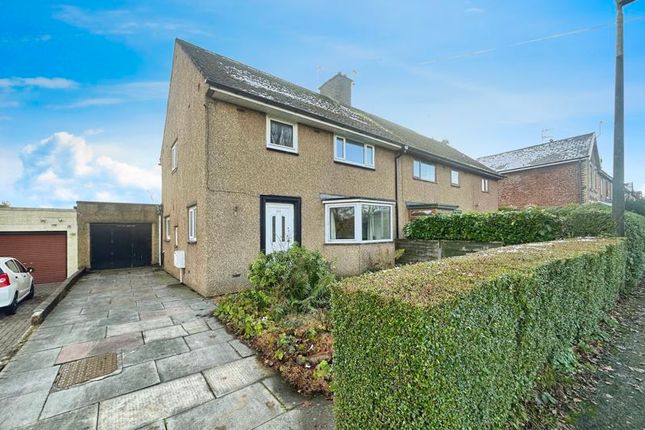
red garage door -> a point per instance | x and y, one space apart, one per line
46 252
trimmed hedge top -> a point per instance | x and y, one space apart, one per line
436 281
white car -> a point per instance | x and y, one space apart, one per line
16 284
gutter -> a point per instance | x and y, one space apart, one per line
403 150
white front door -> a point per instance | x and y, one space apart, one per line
279 226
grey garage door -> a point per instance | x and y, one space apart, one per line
114 246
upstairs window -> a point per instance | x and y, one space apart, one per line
282 135
349 152
166 227
424 171
192 224
484 185
454 178
173 156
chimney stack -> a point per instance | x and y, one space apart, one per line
338 88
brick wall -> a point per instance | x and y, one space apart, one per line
547 186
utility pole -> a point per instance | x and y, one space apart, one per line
618 188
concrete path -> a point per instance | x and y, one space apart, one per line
12 327
178 368
619 400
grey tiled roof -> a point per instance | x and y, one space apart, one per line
557 151
222 72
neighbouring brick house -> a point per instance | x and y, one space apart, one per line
555 173
252 163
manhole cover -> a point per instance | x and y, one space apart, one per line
86 369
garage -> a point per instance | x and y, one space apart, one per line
122 245
45 252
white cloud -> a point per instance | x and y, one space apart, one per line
129 175
97 101
65 167
474 10
40 82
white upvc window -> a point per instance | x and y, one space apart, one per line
454 177
485 186
173 156
424 171
358 154
282 135
176 236
358 221
192 224
166 227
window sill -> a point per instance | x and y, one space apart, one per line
192 242
282 149
370 242
360 166
424 180
173 171
455 185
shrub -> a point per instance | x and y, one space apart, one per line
298 277
455 343
508 226
636 206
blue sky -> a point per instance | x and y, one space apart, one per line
83 85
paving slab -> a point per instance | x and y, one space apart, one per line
16 384
63 338
154 351
169 332
33 361
241 348
197 325
24 409
79 419
241 410
76 351
130 379
195 361
284 392
115 330
144 407
235 375
315 415
208 338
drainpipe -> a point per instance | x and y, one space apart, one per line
403 150
159 244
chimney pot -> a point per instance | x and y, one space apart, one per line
339 88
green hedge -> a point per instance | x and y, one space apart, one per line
534 225
511 227
456 343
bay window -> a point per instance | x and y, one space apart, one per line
358 154
358 221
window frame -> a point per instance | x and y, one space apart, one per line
485 185
419 178
166 226
357 204
282 148
192 222
458 183
174 163
351 163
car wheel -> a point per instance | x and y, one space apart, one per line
13 307
32 292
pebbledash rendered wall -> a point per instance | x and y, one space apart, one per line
224 167
102 212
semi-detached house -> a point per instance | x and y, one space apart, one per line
252 163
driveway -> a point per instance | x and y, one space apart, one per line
12 327
169 364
